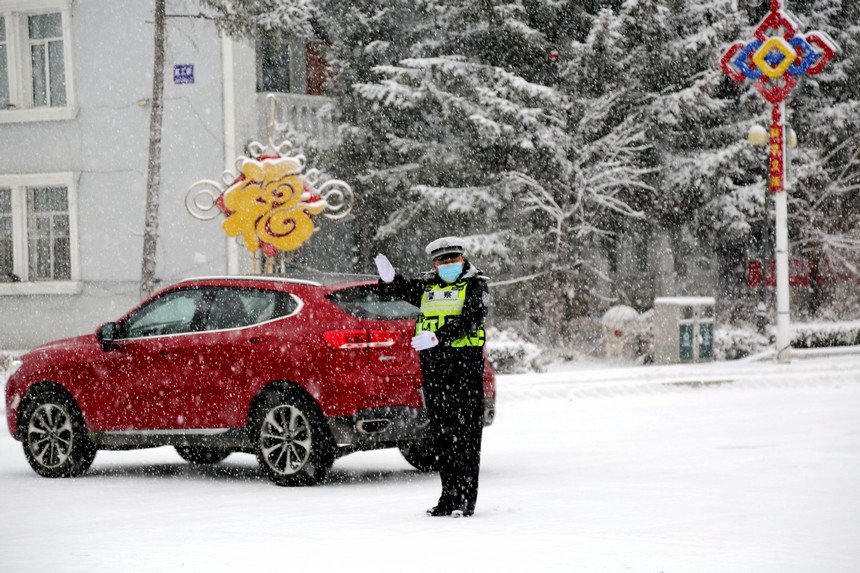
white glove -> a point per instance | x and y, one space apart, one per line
386 270
424 340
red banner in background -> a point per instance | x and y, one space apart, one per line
799 273
777 157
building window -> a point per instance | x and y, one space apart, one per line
318 71
35 63
38 234
46 56
4 66
48 233
273 65
290 67
7 268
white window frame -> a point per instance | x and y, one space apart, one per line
19 184
19 63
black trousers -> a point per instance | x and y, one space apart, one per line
454 395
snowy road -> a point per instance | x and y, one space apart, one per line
740 467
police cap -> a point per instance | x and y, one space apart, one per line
445 246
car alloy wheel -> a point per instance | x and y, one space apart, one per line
293 444
55 439
50 436
286 440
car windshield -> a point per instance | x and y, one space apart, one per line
369 302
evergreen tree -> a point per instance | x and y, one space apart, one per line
289 19
696 123
365 35
509 148
545 131
824 197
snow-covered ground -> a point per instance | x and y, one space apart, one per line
740 467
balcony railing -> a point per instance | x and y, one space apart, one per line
299 113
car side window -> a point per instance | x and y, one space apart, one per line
238 307
174 312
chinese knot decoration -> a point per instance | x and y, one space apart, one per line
776 62
271 203
775 59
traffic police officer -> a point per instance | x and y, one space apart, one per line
449 335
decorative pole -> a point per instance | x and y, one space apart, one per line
776 58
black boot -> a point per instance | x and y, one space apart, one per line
465 510
440 510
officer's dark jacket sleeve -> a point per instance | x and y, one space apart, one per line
473 315
410 290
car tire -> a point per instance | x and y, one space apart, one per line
201 455
421 456
55 437
291 440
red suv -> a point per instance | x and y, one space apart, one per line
295 371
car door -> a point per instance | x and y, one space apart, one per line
139 374
229 356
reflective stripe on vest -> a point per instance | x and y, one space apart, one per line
440 302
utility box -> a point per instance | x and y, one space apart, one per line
683 329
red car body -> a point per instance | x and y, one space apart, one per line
336 345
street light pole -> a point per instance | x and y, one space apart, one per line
775 59
779 187
763 253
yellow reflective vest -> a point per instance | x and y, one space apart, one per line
440 303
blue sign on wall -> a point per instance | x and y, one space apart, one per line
183 74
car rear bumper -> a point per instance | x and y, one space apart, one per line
380 427
376 427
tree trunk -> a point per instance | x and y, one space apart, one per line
153 175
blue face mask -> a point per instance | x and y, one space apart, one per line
449 272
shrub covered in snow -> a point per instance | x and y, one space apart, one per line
510 353
731 342
824 335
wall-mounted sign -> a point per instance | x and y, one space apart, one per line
183 74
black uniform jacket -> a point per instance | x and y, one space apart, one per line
468 359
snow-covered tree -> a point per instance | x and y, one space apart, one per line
825 112
497 142
696 121
367 34
289 19
545 131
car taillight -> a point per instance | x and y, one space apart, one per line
352 339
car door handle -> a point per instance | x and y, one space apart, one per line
387 358
257 340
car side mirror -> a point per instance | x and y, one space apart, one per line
106 334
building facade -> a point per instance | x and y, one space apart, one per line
75 103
